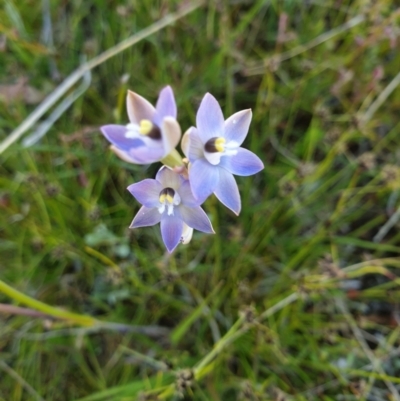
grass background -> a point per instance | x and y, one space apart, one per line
295 299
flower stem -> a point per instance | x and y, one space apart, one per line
46 309
172 160
238 329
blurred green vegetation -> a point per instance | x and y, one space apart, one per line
318 230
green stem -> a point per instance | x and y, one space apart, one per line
218 347
172 160
47 309
238 329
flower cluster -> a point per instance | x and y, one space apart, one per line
213 154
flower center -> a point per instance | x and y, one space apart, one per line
216 144
145 127
149 129
168 199
217 147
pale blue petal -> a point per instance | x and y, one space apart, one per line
185 143
171 231
146 154
139 108
171 134
203 178
166 106
116 135
196 147
124 155
146 217
244 163
209 119
187 198
227 191
237 126
196 218
147 192
168 178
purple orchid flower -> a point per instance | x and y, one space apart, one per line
214 152
168 200
152 132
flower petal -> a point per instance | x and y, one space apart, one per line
187 234
196 218
195 146
166 106
186 194
125 156
171 231
147 192
116 135
244 163
168 178
139 108
203 179
146 217
227 191
171 134
185 142
237 126
209 119
146 154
